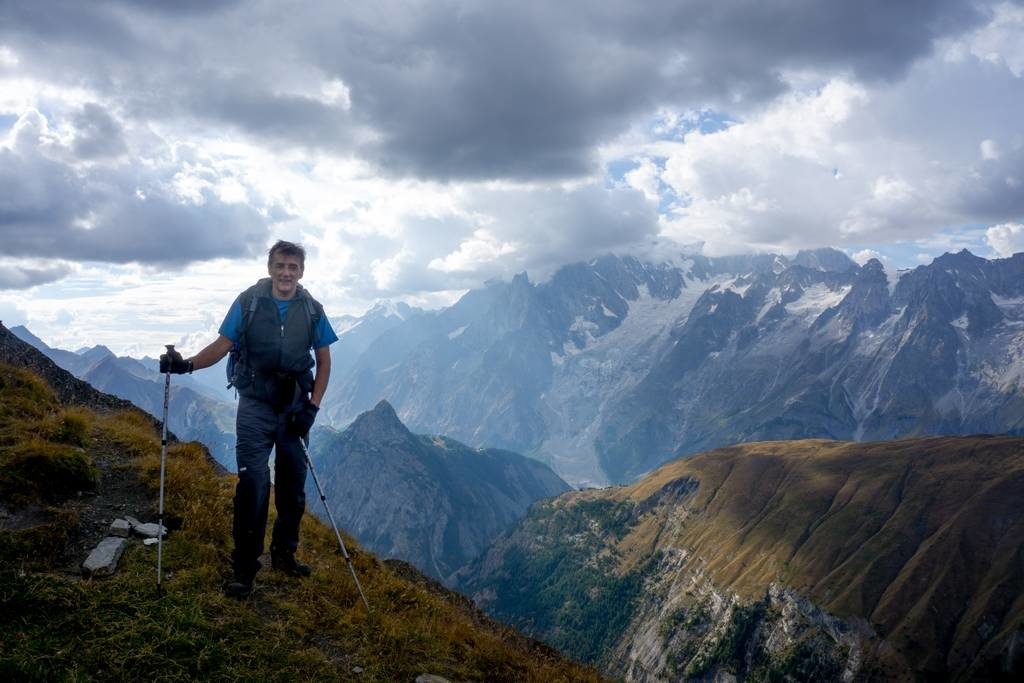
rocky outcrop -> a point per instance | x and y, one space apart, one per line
429 500
696 630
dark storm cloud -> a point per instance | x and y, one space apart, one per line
528 89
241 103
467 89
49 209
23 277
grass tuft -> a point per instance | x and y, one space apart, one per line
36 547
74 427
130 430
41 470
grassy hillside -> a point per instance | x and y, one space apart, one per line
919 540
65 473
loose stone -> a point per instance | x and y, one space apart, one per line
149 530
102 561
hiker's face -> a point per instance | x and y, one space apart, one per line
285 272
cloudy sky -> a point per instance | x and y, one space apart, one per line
151 151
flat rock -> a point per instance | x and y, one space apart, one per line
120 527
102 561
149 530
431 678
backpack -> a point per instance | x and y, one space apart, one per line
236 365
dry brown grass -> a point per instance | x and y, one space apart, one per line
314 629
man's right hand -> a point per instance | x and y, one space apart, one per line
173 363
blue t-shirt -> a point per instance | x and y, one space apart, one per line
231 328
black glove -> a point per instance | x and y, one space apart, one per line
173 363
302 418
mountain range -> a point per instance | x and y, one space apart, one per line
615 366
426 499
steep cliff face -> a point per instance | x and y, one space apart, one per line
826 559
429 500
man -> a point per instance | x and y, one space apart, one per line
272 327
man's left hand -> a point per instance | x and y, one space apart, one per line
300 421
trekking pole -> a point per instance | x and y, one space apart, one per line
163 461
309 464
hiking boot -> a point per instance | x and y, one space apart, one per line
289 565
243 574
238 589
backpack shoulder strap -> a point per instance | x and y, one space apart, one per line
314 311
249 300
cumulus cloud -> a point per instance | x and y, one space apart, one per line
98 134
998 41
50 207
865 255
553 226
495 232
1006 239
853 163
479 250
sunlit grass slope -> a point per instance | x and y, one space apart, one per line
921 538
56 626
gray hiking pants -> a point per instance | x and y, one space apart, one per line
259 429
